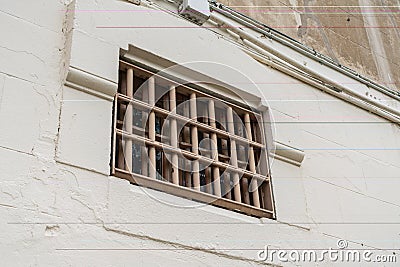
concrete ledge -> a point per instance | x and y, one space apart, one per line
288 154
91 84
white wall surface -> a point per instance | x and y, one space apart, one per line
59 206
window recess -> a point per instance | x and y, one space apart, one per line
181 140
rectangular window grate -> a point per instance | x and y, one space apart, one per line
184 141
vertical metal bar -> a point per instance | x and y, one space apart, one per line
152 128
129 121
144 154
214 148
252 162
195 142
245 191
231 130
227 185
121 158
165 167
166 164
186 138
174 136
261 191
256 132
268 197
243 157
208 175
224 143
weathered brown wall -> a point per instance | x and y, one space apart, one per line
361 34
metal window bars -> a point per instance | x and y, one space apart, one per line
180 140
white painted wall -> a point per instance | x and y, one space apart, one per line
55 143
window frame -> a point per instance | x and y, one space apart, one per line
179 190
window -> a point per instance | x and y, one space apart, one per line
190 142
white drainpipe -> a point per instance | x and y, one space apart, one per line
308 52
320 86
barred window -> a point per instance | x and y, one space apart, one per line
182 140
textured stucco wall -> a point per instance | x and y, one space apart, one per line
361 34
59 206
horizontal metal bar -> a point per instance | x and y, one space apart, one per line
170 149
219 132
171 82
189 193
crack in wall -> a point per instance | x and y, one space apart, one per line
357 192
2 91
186 247
19 78
24 52
362 153
81 167
64 63
27 21
73 197
16 150
7 206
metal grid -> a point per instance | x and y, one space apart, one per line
180 140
